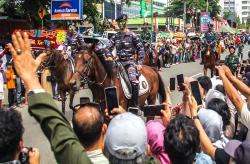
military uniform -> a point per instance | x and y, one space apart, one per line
145 36
76 41
232 62
145 39
209 38
126 44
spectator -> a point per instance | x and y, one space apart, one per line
181 140
10 76
1 85
222 109
88 124
11 138
155 131
65 145
212 123
205 83
126 140
220 156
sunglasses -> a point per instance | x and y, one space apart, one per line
89 104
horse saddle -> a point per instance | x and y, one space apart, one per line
126 85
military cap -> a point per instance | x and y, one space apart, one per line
122 17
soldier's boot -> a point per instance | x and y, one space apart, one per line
135 95
151 60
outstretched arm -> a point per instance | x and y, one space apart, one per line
64 143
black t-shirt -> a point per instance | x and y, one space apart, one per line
221 157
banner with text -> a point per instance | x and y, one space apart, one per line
40 38
205 19
66 9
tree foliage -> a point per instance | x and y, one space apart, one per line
28 10
176 7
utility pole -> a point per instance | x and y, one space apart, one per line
115 10
152 22
207 6
184 15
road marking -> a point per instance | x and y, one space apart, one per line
196 75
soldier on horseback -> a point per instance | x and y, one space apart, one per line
74 41
232 60
145 39
126 43
209 39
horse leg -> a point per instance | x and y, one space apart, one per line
205 71
63 96
71 98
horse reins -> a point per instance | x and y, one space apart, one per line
86 73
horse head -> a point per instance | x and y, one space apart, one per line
208 50
83 65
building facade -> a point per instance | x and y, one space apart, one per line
240 7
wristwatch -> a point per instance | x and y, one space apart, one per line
35 91
195 117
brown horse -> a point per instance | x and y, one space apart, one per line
63 70
95 70
147 58
209 60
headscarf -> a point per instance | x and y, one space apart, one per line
155 132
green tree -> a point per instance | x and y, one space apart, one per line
28 9
176 7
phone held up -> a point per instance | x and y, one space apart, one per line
180 81
172 84
196 92
111 98
153 110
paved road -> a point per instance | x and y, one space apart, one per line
33 135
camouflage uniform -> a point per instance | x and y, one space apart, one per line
231 61
126 43
145 39
73 39
145 36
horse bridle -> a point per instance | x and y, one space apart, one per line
85 75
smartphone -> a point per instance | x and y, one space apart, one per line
172 84
180 81
196 92
111 98
84 100
152 110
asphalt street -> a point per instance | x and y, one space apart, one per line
34 137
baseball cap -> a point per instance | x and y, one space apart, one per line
240 151
126 136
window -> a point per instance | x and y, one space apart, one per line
244 7
244 2
244 13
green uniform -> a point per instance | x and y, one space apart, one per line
64 143
145 36
231 62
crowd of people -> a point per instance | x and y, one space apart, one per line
214 132
175 51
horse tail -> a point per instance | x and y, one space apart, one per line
161 89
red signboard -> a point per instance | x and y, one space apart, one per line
40 38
